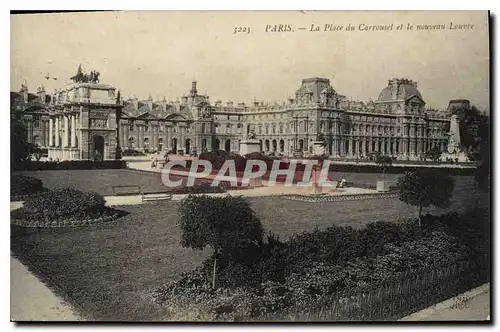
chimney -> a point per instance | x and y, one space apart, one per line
193 91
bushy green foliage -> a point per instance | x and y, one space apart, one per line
65 203
71 164
202 188
384 162
20 148
217 158
310 268
24 185
226 224
423 188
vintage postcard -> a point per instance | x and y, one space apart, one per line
250 166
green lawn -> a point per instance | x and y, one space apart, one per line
101 181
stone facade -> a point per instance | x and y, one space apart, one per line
396 124
77 122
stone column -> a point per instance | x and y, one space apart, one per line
51 132
56 143
73 131
66 131
138 136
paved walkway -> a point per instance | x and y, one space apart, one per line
473 305
31 300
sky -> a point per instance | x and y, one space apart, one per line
159 53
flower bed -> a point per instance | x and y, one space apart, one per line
337 198
64 207
203 188
19 218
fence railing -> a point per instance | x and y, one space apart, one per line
395 299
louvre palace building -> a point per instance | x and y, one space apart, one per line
86 117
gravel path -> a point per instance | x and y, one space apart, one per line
31 300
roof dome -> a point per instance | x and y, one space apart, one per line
398 89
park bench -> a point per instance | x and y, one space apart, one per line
156 197
126 190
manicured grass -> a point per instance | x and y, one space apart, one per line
102 181
110 270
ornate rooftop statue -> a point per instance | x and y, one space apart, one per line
81 77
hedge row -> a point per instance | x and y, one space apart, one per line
349 168
70 165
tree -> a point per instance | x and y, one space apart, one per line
20 148
423 188
433 153
475 141
384 162
227 224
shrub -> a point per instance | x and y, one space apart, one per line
65 203
313 269
24 185
227 224
203 188
217 159
423 188
73 164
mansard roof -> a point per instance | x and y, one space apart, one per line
146 116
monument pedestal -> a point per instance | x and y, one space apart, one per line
317 189
249 146
255 182
460 156
382 186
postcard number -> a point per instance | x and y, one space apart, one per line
241 30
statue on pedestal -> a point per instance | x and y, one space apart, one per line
251 135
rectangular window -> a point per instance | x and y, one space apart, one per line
131 126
